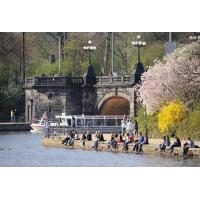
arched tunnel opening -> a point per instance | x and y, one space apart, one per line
115 106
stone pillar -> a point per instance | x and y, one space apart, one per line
89 100
89 104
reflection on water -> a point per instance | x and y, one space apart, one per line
25 149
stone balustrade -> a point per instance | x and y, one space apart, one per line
63 81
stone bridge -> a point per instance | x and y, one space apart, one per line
70 95
110 87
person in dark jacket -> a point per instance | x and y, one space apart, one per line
165 144
145 141
176 143
83 139
189 144
137 142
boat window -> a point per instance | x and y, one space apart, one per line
69 122
119 122
80 122
88 122
99 122
110 122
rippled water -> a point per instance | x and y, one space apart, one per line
25 149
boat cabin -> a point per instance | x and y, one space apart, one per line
89 120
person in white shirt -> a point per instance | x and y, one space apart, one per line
123 125
129 127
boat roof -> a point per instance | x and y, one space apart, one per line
91 116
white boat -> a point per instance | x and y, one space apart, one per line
82 123
38 126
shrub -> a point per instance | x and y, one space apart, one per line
170 115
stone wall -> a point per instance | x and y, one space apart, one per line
54 100
147 149
15 126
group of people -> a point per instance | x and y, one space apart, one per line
128 126
86 137
166 145
117 138
71 137
126 137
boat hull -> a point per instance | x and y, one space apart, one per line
37 127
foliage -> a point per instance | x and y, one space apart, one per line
177 77
11 97
169 115
151 122
190 126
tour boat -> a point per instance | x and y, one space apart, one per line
38 126
82 123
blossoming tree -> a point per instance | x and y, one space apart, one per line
176 77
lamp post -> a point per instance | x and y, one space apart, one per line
138 43
139 69
89 48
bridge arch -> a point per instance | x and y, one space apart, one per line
111 98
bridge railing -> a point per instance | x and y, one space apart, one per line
113 80
58 81
62 81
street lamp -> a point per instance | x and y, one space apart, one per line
139 70
89 48
138 43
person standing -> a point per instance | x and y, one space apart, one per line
129 127
123 125
12 116
46 128
135 127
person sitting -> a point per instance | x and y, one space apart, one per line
113 141
165 144
83 139
89 136
95 143
71 139
144 141
137 142
176 143
128 139
187 145
65 141
120 139
76 136
101 137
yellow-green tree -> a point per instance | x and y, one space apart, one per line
170 114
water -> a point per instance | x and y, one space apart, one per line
25 150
